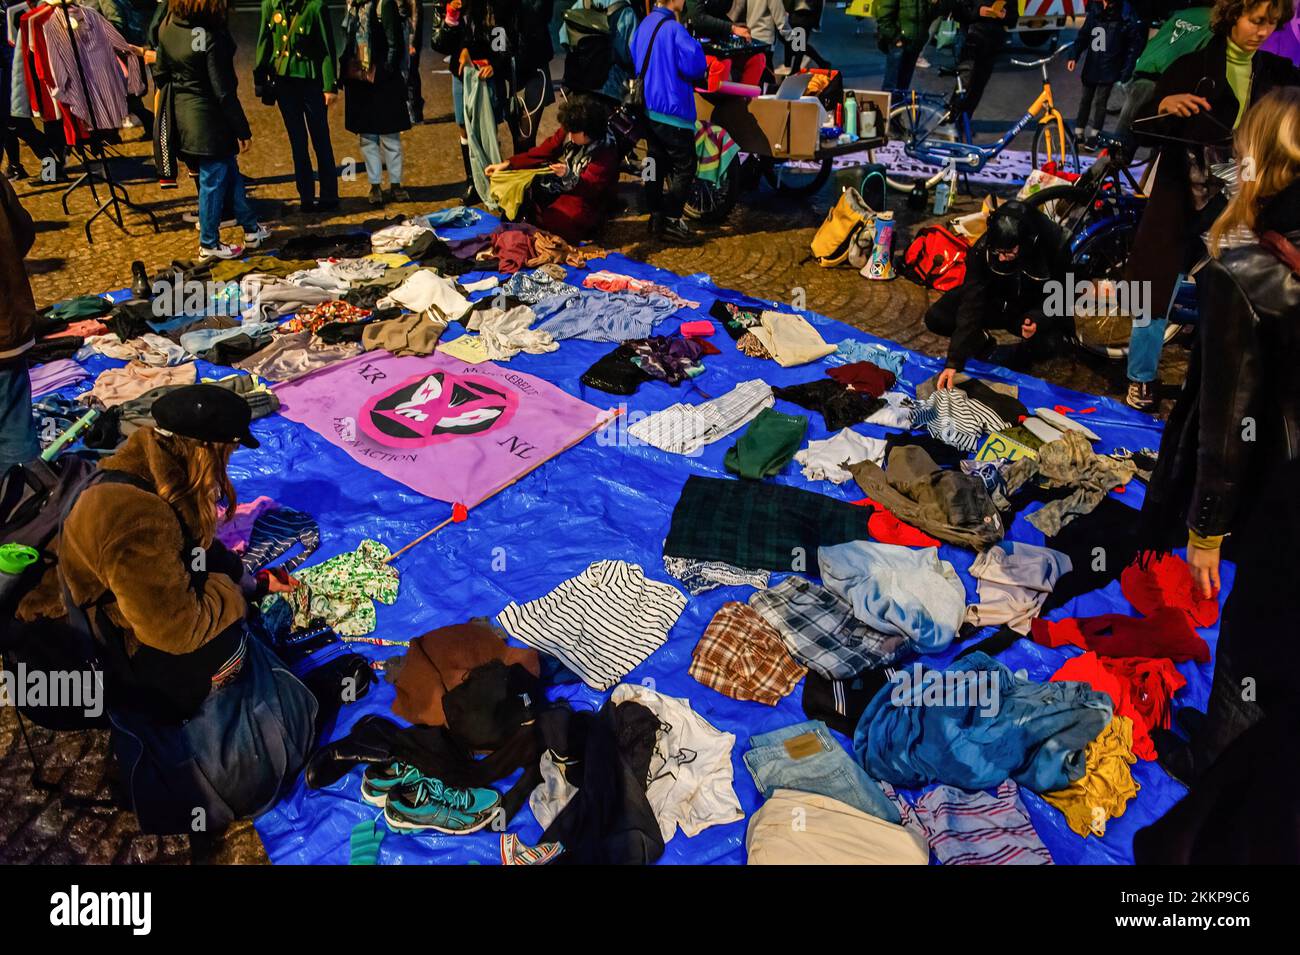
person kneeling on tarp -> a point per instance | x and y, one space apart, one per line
1007 270
207 724
577 174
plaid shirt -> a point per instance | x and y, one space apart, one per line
742 657
759 526
821 631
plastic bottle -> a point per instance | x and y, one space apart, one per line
941 193
851 116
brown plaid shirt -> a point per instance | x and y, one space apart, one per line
741 656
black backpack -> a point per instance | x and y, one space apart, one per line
591 45
35 499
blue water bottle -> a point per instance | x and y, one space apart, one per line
941 192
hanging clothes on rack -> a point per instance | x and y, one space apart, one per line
79 69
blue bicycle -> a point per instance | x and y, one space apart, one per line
923 123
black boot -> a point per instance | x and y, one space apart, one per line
471 195
140 287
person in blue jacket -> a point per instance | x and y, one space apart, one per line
1112 37
672 69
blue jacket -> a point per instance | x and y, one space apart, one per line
1034 733
676 66
1121 37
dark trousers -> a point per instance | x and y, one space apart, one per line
20 128
804 20
1096 98
941 319
673 151
975 68
302 106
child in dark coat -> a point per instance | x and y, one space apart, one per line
1112 37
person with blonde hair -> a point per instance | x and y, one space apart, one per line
1229 464
203 714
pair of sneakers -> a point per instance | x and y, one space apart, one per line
413 801
252 240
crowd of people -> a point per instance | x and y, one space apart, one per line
1203 92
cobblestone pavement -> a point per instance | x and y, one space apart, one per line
761 250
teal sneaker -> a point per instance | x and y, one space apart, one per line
380 779
428 804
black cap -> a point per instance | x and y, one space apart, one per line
205 413
1006 226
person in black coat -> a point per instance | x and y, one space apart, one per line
1113 38
1229 460
196 63
986 26
1007 270
1190 118
374 88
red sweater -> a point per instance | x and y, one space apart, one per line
575 215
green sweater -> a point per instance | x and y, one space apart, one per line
1239 76
296 39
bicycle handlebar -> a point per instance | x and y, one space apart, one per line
1045 60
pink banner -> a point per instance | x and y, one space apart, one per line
443 427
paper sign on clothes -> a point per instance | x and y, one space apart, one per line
446 428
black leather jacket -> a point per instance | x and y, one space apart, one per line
1249 397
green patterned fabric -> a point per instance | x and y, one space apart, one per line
341 591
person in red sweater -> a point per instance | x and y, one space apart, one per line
573 201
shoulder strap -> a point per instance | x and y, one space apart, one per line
1282 247
651 45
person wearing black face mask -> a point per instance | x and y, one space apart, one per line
1007 270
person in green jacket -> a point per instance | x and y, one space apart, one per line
295 68
902 31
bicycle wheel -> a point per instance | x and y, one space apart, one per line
1047 148
1067 206
914 122
798 177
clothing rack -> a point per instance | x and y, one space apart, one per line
93 154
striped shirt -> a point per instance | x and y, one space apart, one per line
974 828
107 79
686 429
601 624
955 418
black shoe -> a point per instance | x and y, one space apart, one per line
376 197
140 287
398 194
327 205
655 224
369 742
15 172
308 206
678 232
470 196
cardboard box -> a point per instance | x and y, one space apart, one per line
784 126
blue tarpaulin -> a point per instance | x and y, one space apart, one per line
611 498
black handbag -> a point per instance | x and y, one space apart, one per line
635 98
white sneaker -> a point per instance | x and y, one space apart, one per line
254 239
223 251
922 63
782 70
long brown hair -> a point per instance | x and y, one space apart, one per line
205 481
1267 146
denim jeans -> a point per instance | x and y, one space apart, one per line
1144 347
220 183
382 151
900 64
18 443
806 758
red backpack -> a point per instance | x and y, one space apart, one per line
936 259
